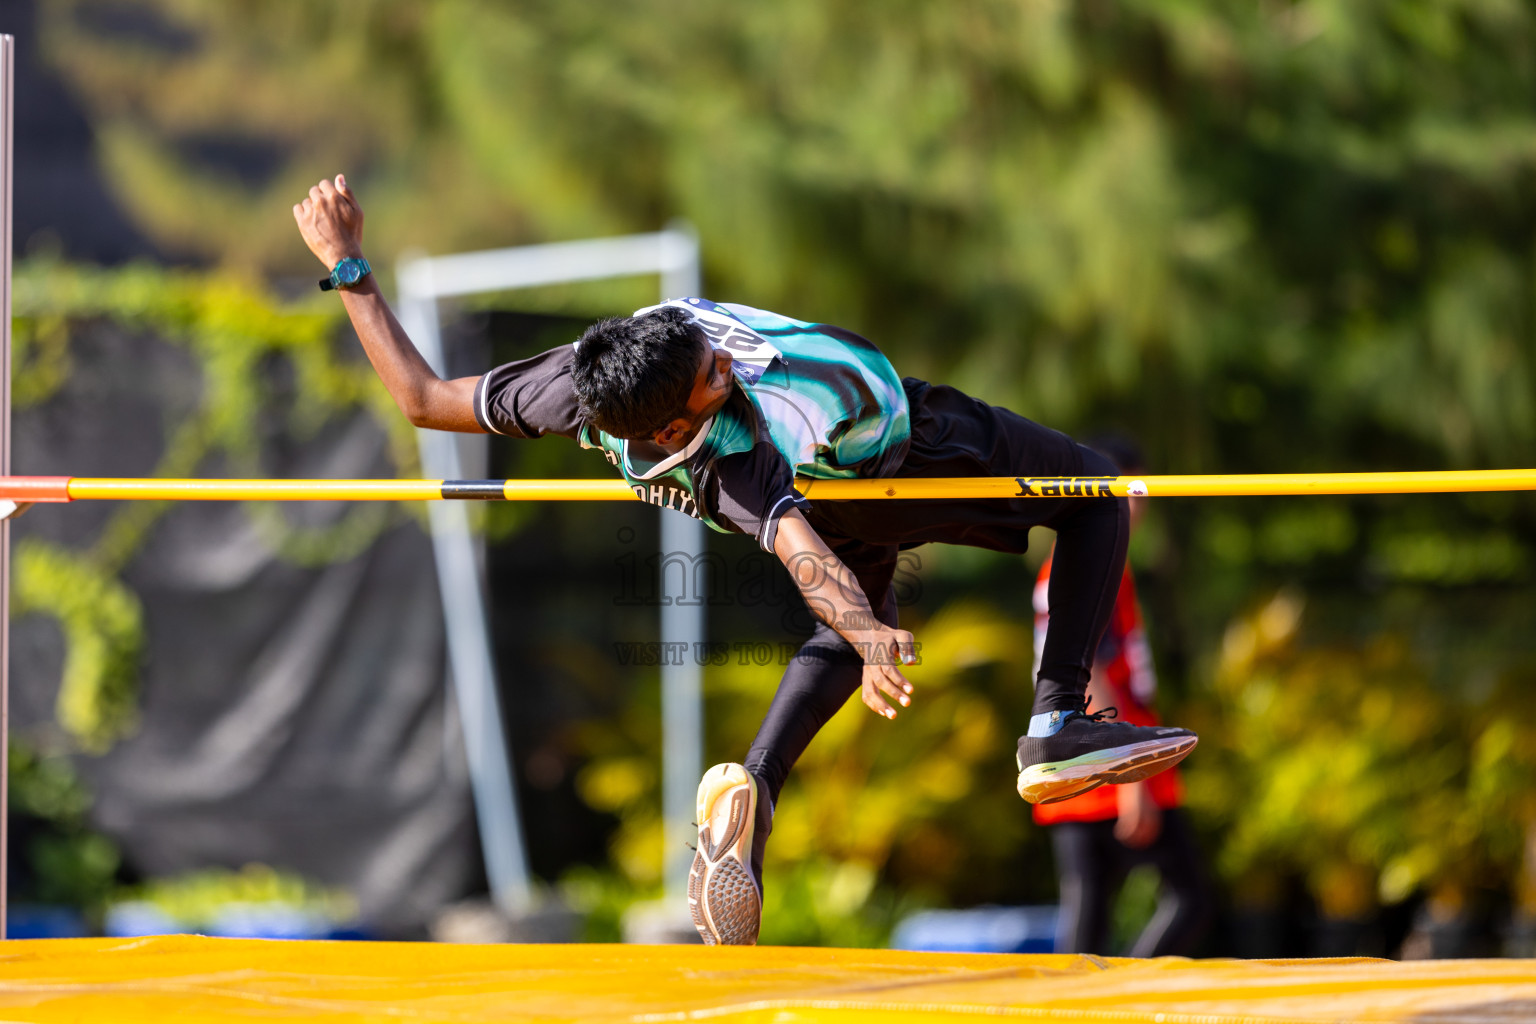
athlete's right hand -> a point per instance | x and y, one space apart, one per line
883 681
331 221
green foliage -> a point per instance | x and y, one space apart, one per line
1345 766
823 901
103 626
67 862
44 787
40 360
1134 906
232 327
1132 209
194 900
602 897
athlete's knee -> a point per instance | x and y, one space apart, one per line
1095 464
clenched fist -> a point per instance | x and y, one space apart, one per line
331 222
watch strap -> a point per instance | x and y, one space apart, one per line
331 283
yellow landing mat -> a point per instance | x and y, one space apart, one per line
190 978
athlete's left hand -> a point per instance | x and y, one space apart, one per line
884 685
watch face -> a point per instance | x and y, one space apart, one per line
349 272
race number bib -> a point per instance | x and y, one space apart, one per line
752 353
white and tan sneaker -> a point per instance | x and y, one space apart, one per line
725 896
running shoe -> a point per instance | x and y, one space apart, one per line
725 885
1089 751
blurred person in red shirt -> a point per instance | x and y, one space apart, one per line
1100 836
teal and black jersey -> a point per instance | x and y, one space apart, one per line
829 400
826 400
832 404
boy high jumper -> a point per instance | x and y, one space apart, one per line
711 410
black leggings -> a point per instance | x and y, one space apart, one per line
824 673
1091 538
1091 864
1085 577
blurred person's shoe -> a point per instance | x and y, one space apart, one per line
725 884
1087 751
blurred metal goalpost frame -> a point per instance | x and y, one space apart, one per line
7 139
422 281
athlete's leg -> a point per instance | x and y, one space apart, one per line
955 435
736 801
1091 536
1065 751
1184 906
824 673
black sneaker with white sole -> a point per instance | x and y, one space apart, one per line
725 884
1089 751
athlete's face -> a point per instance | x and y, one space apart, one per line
711 388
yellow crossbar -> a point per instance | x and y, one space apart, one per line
54 489
254 490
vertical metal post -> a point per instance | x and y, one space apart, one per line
469 644
684 542
7 139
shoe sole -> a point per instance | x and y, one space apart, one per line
723 897
1061 780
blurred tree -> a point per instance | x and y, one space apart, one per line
1159 205
1346 767
55 855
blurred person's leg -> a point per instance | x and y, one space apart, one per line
1089 869
1185 902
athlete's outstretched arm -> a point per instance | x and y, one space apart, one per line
331 222
834 595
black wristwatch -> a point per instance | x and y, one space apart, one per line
346 274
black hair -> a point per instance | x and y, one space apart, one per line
633 374
1119 449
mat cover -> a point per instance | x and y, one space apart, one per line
191 978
